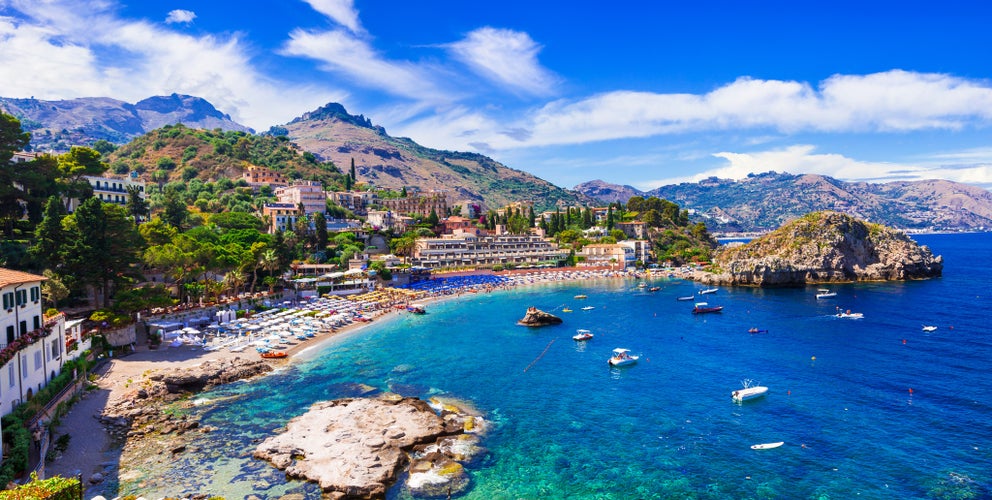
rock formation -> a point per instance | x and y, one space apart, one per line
356 448
209 374
537 317
823 247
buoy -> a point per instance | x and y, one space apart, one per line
910 390
813 358
904 341
789 393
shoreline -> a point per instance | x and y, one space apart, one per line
94 455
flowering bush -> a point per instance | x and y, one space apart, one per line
20 343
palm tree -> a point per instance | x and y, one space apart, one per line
233 280
270 262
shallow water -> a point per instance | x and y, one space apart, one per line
566 425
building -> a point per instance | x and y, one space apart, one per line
522 207
612 255
469 249
421 204
310 194
257 176
110 190
635 229
454 223
281 216
639 250
356 201
32 349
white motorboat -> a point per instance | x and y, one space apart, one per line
622 357
848 314
767 446
708 290
588 308
929 328
823 293
582 335
748 392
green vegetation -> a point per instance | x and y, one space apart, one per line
54 488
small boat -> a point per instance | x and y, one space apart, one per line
753 331
688 297
582 335
929 328
642 285
767 446
848 314
566 310
622 357
748 392
654 289
588 308
417 309
580 297
823 293
703 307
274 354
708 290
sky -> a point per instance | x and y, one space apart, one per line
641 93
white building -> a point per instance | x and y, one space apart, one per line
32 348
110 190
310 194
464 248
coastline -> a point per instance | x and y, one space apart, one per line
94 453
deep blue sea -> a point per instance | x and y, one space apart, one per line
871 407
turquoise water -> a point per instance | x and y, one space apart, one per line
566 425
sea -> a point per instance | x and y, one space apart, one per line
874 407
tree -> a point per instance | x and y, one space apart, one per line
320 231
403 192
175 212
353 177
137 206
403 246
53 289
12 139
432 219
518 224
76 164
269 260
102 247
49 236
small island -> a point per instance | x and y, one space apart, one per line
536 317
823 247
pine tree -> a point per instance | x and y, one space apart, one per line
353 177
49 236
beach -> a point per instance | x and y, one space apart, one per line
94 453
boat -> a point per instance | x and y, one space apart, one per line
580 297
417 309
767 446
582 335
566 310
703 307
929 328
588 308
753 331
687 297
848 314
642 285
622 357
708 290
748 392
654 289
274 354
823 293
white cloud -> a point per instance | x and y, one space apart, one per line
83 50
893 101
180 16
970 167
506 57
341 11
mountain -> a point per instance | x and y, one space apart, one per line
606 192
762 202
331 133
58 125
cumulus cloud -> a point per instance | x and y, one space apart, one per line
84 50
180 16
892 101
506 57
342 12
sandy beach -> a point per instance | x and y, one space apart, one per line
91 448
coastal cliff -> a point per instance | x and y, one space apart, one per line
823 247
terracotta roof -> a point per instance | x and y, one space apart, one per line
12 277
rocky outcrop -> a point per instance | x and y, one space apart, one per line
209 374
356 448
823 247
537 317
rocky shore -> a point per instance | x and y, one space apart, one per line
536 317
823 247
356 448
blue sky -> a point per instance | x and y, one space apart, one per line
631 92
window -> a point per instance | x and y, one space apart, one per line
8 300
10 334
24 328
24 366
22 297
35 293
37 322
10 372
56 349
37 360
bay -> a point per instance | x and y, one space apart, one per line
872 407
